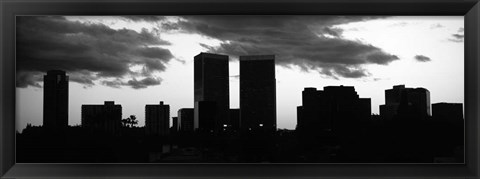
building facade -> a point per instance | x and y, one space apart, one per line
211 85
157 119
175 125
258 110
55 99
447 111
406 103
186 119
334 109
106 118
235 120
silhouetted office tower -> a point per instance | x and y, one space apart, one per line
314 105
206 114
258 110
235 119
185 119
447 111
211 84
104 118
55 99
175 126
412 102
157 119
333 108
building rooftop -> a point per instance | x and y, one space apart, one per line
257 57
212 55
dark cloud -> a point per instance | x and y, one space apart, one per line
458 37
170 26
87 51
133 83
143 83
113 83
139 18
25 79
86 80
333 31
422 58
295 40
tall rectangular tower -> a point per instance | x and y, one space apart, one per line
211 84
55 99
258 110
157 119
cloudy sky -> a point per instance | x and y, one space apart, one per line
138 60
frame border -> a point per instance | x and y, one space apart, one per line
470 9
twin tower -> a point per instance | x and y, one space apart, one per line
257 93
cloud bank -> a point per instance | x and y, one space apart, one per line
87 51
309 42
93 53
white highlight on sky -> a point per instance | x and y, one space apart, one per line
403 36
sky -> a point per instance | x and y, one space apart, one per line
139 60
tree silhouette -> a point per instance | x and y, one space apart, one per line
130 121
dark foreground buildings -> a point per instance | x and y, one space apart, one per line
175 125
186 120
104 118
211 91
258 110
235 119
55 99
157 119
408 103
447 111
334 125
331 111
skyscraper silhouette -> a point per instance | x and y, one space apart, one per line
102 118
211 84
258 110
407 102
185 119
55 99
157 119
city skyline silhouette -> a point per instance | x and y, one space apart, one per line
240 89
331 125
399 96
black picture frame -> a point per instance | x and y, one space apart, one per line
470 9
